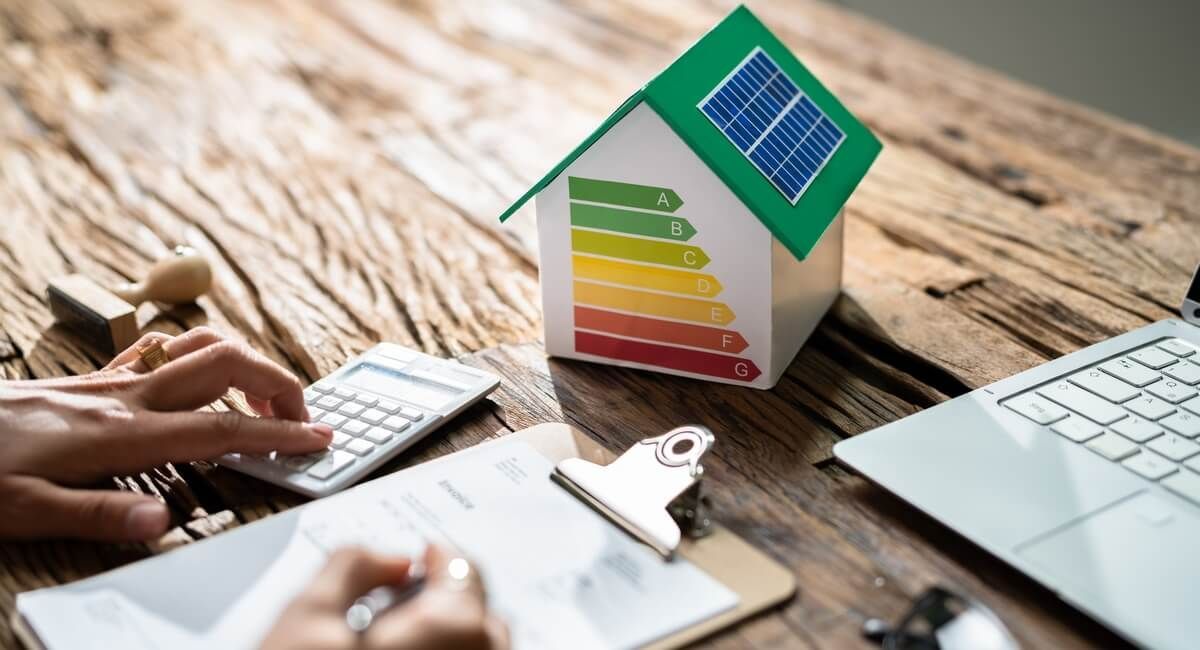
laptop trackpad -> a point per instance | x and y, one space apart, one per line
1134 564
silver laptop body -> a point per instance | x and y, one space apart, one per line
1084 473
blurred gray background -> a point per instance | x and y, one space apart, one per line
1139 60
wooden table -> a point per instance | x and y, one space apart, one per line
343 163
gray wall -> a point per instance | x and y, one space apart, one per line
1139 60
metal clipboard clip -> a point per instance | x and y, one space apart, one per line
653 490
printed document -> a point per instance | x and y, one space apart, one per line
559 574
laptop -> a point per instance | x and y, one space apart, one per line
1083 473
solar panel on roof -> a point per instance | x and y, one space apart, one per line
773 123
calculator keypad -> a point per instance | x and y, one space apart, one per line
360 422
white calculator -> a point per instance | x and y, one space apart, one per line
379 404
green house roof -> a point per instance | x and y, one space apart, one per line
675 95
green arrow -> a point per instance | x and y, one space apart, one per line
586 215
645 197
639 250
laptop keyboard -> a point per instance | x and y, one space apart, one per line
1141 410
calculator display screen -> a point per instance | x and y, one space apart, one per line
391 383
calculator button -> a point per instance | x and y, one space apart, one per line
395 423
351 409
373 416
322 388
340 439
329 402
387 407
298 463
411 413
334 420
331 463
378 435
355 427
359 447
344 393
371 400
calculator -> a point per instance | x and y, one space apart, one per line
379 404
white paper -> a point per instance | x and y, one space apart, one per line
558 573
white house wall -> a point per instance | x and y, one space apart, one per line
803 292
641 149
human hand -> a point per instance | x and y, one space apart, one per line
448 612
57 435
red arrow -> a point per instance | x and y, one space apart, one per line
653 329
665 356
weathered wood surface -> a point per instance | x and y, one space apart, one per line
342 163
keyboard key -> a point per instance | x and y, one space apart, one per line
1184 423
395 423
1174 447
1186 372
378 435
1152 357
329 402
1185 484
334 420
331 463
1192 405
339 440
1178 347
355 427
1172 391
359 447
351 409
1137 429
1036 408
391 408
1082 402
373 416
1152 466
366 400
1112 446
344 393
1149 407
1130 372
411 413
1078 429
1104 385
322 387
315 414
311 396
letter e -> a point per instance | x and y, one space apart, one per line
717 315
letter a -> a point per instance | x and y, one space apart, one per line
662 199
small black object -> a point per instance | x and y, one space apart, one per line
940 619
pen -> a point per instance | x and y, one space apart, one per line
380 599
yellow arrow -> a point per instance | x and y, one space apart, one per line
646 277
653 304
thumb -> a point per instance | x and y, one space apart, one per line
36 508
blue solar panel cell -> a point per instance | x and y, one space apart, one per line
778 128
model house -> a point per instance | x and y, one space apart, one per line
698 230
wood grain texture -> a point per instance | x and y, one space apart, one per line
342 163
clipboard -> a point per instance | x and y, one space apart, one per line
759 581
